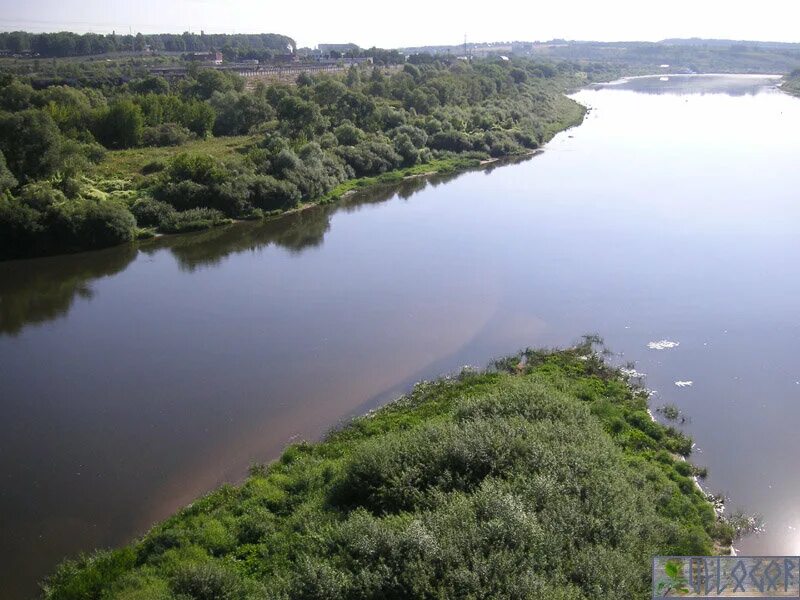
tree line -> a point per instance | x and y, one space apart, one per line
304 142
65 44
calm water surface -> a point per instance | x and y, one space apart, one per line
134 380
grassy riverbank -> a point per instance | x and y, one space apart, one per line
543 477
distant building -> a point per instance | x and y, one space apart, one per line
213 58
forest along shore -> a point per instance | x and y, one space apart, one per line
542 472
87 168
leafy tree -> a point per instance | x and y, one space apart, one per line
348 134
154 84
20 226
519 75
121 124
371 157
16 96
31 143
7 179
406 149
454 141
88 225
198 117
328 91
211 80
237 113
269 193
70 108
299 117
151 213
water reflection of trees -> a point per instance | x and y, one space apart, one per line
40 290
44 289
681 85
295 232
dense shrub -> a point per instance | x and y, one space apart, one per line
120 125
88 225
406 149
166 134
268 193
32 144
417 135
193 180
237 113
371 157
151 213
198 117
7 179
21 229
454 141
16 96
42 221
348 134
194 219
154 84
501 143
208 581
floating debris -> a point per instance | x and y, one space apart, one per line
632 373
684 383
663 345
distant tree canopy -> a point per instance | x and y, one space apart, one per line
64 43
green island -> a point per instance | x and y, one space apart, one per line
543 476
113 152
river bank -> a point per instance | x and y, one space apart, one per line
368 185
571 117
293 146
523 476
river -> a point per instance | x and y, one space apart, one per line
133 380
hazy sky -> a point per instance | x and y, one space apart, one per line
418 22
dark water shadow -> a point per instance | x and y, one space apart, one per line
43 289
296 232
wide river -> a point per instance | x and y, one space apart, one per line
135 379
